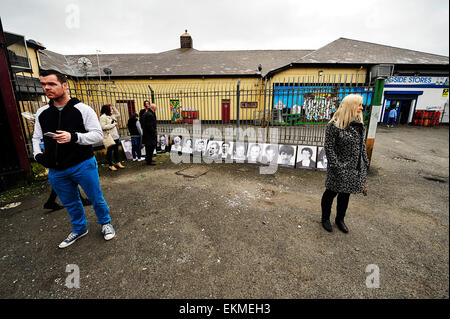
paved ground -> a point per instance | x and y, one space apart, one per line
234 233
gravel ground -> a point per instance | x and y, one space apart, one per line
234 233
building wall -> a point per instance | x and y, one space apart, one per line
202 95
206 95
329 75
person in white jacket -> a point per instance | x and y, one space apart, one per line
109 124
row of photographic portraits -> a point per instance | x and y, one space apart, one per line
299 156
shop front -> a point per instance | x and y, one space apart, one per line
410 94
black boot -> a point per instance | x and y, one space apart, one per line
327 225
86 201
53 206
341 225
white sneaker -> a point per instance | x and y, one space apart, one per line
108 231
73 237
140 159
135 159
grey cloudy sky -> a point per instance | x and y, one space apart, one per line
151 26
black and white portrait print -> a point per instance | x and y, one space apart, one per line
213 150
126 146
176 145
162 143
286 155
306 157
239 152
200 145
254 153
322 159
186 145
227 151
269 154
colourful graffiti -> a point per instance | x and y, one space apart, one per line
175 108
319 106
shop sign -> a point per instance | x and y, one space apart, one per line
417 80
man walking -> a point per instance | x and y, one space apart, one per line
149 133
392 117
69 129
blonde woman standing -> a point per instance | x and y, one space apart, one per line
347 159
109 124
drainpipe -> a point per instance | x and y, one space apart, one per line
152 93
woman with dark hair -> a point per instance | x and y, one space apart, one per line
135 129
109 124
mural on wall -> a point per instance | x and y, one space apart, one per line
320 106
175 108
314 103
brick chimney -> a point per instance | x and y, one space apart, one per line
186 40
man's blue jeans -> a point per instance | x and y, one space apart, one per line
65 183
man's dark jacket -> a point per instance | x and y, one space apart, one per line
148 122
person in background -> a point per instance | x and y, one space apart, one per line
109 124
53 205
69 128
134 127
347 165
149 133
145 109
392 117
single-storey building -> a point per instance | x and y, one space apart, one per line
419 81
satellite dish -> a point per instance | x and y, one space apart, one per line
107 71
84 63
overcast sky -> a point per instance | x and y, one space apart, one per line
152 26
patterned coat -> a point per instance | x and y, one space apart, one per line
347 158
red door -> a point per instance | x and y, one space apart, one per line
225 111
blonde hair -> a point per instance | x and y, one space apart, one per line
347 111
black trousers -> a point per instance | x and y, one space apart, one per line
113 149
327 201
149 150
53 196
